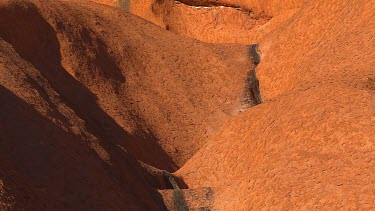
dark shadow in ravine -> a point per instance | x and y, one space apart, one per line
36 41
46 168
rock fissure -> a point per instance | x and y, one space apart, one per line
252 95
207 4
211 5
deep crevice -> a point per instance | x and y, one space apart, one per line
252 95
214 4
254 54
206 4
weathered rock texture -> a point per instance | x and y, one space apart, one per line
98 105
215 21
88 90
310 144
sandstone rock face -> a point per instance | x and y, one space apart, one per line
214 21
310 145
92 91
274 110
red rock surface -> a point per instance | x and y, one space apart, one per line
310 145
216 21
97 103
90 90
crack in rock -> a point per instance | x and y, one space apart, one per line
252 96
